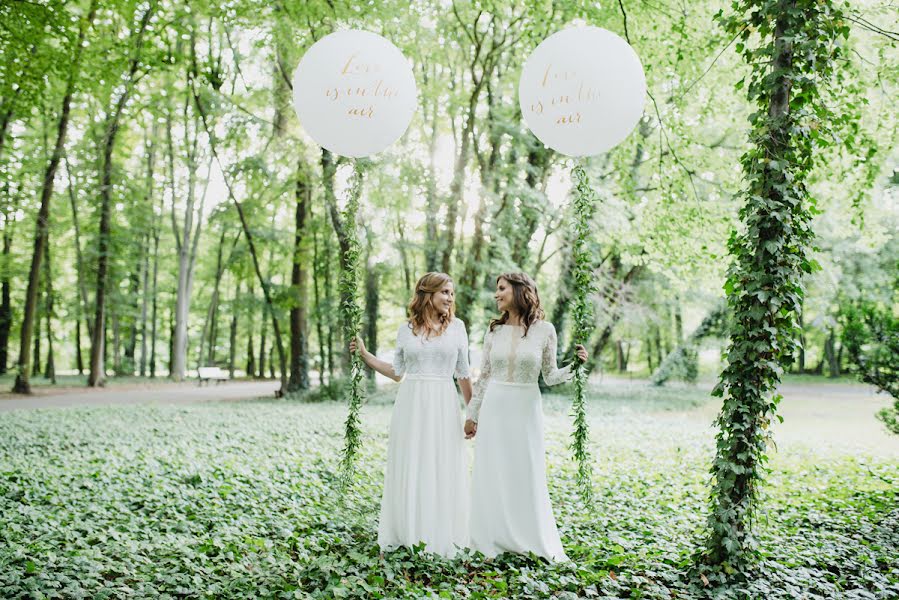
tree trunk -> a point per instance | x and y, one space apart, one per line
767 257
319 308
432 239
151 160
79 359
537 170
186 241
678 322
36 367
657 333
116 343
135 277
22 385
329 169
251 351
261 374
155 303
403 248
50 367
299 351
372 302
457 186
331 320
801 357
613 317
250 245
620 356
830 353
647 352
5 290
211 312
144 308
232 338
98 345
171 339
79 257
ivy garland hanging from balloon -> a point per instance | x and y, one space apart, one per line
581 93
354 93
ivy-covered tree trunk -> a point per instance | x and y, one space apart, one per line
794 56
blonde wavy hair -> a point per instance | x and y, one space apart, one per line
424 318
525 299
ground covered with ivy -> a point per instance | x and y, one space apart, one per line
237 500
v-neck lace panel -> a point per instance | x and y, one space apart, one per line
509 356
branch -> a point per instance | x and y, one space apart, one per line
866 24
712 64
624 18
468 34
662 132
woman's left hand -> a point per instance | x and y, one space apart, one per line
581 353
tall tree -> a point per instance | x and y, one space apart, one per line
187 235
119 100
22 384
793 59
299 345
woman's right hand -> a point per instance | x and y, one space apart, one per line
357 344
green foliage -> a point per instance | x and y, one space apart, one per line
871 339
682 363
792 46
351 311
584 199
241 500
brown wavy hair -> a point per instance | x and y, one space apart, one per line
423 316
525 299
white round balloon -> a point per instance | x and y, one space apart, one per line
582 90
354 92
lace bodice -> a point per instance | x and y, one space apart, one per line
510 358
445 355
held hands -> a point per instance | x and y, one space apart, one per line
357 344
581 353
471 428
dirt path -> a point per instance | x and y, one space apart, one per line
829 416
144 394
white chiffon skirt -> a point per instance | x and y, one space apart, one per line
426 484
510 505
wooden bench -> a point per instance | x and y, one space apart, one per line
208 374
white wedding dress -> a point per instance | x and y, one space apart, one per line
510 505
426 484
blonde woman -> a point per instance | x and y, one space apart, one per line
426 484
510 505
